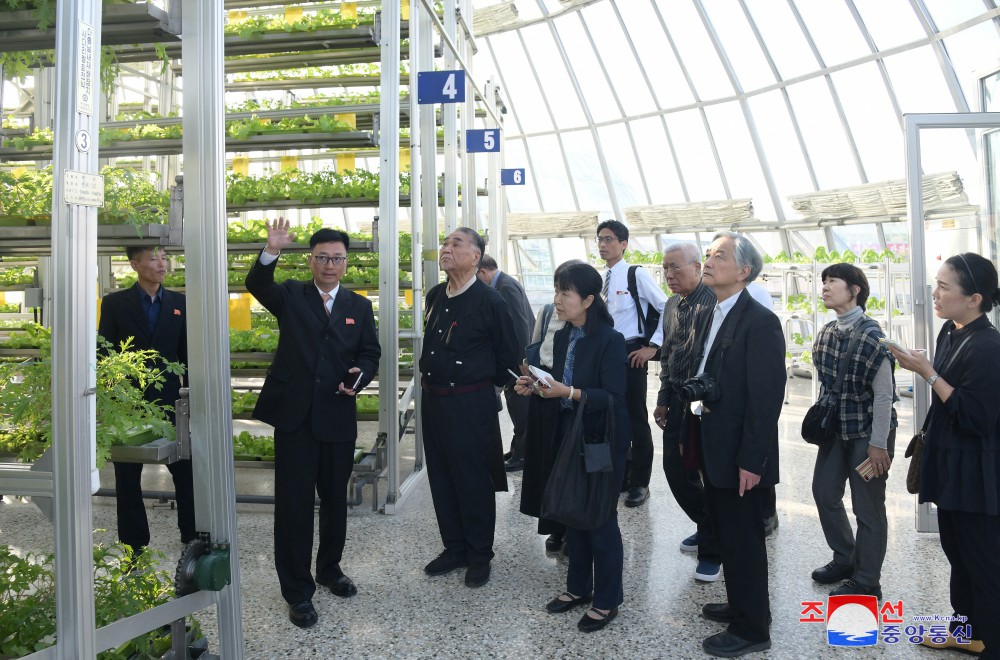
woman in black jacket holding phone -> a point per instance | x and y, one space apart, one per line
589 356
960 465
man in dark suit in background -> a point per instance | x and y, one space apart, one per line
520 312
738 436
328 351
154 318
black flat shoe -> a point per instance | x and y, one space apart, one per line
555 542
589 624
719 612
477 574
303 614
341 586
444 563
557 605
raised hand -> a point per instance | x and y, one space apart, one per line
278 236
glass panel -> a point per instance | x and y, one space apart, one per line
654 50
633 92
833 29
585 167
622 165
825 141
856 238
740 45
947 13
966 50
897 237
991 93
890 22
520 199
696 50
783 36
806 241
918 82
583 61
777 134
768 241
657 161
553 182
694 153
556 82
877 132
739 160
525 97
947 150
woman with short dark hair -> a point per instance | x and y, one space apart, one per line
960 464
865 431
588 357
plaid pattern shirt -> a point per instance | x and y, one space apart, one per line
856 393
685 320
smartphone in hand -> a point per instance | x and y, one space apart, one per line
885 341
866 469
544 377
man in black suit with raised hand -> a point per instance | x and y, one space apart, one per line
738 432
328 351
154 318
524 321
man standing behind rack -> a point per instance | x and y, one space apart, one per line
469 344
520 312
154 318
612 241
328 351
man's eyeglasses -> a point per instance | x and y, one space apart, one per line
674 269
323 260
606 239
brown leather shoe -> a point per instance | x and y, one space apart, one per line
974 647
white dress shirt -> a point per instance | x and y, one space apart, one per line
622 307
722 309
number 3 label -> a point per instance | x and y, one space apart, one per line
482 140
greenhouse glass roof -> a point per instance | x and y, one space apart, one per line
626 103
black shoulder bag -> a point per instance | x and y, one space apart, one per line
648 320
819 426
581 492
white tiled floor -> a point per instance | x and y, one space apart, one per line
400 612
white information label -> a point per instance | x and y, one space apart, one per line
86 69
82 188
83 141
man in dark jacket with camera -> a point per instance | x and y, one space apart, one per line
738 438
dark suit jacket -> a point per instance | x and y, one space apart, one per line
519 308
314 354
122 316
740 430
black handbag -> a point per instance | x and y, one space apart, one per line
581 492
819 426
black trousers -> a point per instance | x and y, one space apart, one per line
970 541
517 408
458 432
303 468
641 468
689 491
133 526
741 538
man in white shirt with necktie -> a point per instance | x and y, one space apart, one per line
612 241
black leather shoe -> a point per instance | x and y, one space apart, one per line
637 496
832 573
303 614
557 605
555 542
478 574
506 456
444 563
720 612
514 465
727 645
770 525
852 588
590 624
341 585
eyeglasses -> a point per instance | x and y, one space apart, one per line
675 269
606 239
323 260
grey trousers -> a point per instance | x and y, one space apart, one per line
835 465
